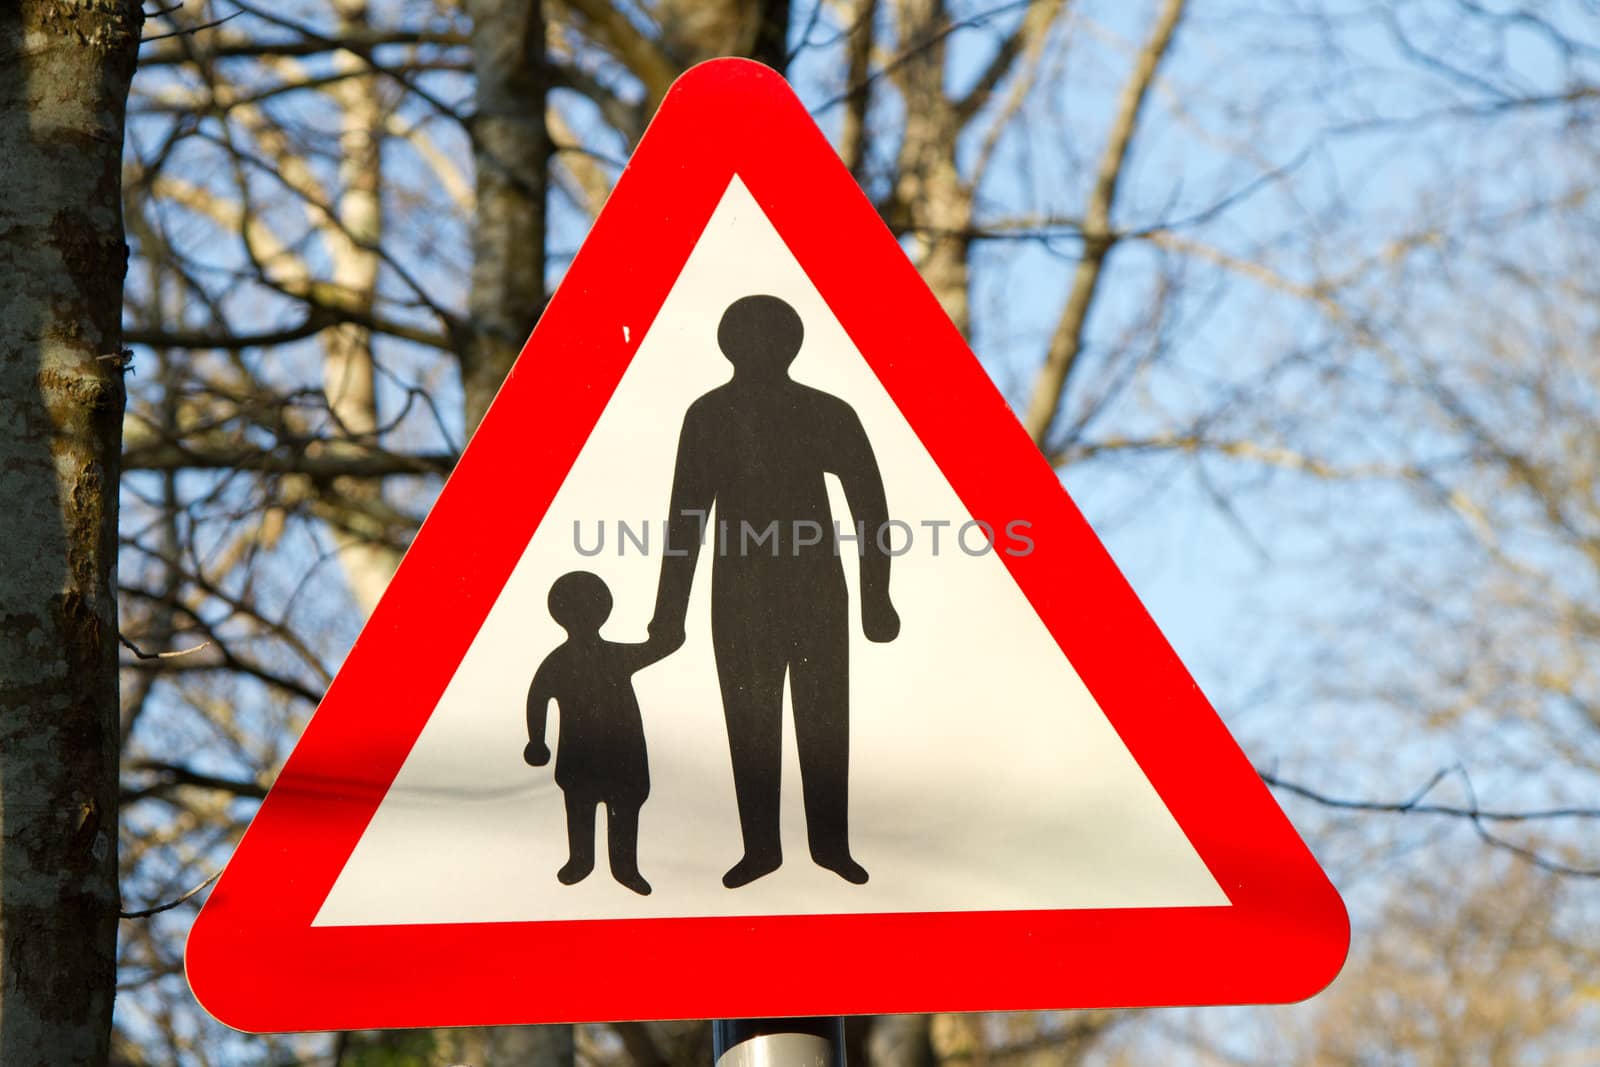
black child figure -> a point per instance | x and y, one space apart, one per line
602 753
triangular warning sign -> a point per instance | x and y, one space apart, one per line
897 736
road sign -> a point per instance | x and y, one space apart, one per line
753 662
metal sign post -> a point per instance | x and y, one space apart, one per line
803 1042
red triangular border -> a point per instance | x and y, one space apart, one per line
255 961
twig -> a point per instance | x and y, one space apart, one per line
1474 814
1067 339
145 913
191 29
142 654
1414 805
916 48
172 776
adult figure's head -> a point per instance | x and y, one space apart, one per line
580 602
760 335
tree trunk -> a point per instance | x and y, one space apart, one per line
367 558
900 1041
930 198
771 43
511 151
65 66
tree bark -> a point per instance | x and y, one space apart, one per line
511 152
771 43
65 66
900 1041
930 197
858 84
507 1046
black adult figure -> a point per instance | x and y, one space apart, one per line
757 448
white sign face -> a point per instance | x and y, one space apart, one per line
982 775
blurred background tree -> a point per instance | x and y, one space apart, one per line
1298 296
65 73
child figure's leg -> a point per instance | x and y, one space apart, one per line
622 826
580 840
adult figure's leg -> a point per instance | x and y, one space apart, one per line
622 834
751 660
819 685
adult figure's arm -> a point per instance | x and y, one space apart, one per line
857 469
693 493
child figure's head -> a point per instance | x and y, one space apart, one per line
580 602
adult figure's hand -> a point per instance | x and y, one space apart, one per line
879 620
665 637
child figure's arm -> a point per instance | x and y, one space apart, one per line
637 655
537 754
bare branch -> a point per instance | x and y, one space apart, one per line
169 776
141 654
1067 341
1417 805
191 30
316 320
241 46
917 48
145 913
1034 24
1472 813
639 53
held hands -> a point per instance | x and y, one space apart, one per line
665 637
537 754
879 620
